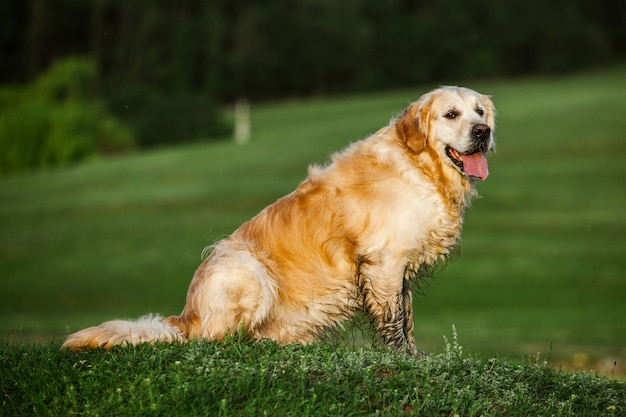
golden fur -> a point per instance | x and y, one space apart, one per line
350 238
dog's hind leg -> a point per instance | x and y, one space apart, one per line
230 291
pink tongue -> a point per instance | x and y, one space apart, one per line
476 165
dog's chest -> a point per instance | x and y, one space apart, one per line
412 223
427 226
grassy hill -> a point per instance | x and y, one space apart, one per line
244 378
541 266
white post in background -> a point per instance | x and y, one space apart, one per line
242 121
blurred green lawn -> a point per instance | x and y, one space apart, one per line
543 256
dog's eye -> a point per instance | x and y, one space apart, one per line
451 114
480 112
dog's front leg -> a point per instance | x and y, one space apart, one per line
409 323
387 302
407 307
386 288
390 319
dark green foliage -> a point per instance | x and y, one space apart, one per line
160 119
57 120
221 49
164 68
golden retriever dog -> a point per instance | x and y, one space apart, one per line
354 236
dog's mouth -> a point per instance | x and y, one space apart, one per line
474 164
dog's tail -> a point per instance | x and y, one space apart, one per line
151 328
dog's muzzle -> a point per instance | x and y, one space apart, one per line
473 162
481 135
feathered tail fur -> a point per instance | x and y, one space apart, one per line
151 328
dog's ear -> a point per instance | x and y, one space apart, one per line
490 109
412 125
491 117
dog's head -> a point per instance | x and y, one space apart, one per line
455 122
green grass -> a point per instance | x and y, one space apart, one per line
240 377
542 265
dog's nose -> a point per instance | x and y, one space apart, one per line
481 131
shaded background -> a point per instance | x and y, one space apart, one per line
162 68
85 83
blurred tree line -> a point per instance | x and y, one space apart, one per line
57 120
163 67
